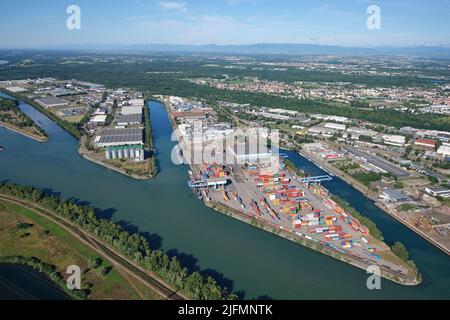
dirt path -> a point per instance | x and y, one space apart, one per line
121 262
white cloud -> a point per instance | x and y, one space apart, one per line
173 6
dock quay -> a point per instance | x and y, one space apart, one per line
298 209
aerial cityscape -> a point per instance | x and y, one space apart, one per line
186 154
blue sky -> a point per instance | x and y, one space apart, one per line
29 23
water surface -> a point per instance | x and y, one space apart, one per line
252 262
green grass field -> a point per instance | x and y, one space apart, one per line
54 245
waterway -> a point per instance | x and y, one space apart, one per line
251 262
19 282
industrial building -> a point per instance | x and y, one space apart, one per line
438 191
125 152
326 132
444 151
393 196
335 126
131 110
120 136
394 140
52 102
427 143
99 119
136 103
274 116
129 119
379 162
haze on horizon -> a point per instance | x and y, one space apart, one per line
42 24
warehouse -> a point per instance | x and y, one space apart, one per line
335 126
99 119
129 119
120 136
444 151
136 103
52 102
393 196
438 191
379 162
131 110
394 140
427 143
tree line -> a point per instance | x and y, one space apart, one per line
11 113
72 128
48 270
193 284
139 77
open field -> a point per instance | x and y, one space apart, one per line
52 244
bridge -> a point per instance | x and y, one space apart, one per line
317 179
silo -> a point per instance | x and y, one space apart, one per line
126 152
137 153
114 153
120 155
108 154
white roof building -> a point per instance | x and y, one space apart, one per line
394 140
340 127
444 151
99 119
137 102
131 110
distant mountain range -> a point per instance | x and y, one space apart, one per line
268 48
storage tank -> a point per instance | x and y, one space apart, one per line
132 153
108 154
126 153
120 155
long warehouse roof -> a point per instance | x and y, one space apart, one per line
121 135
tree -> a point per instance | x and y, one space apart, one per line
400 251
94 263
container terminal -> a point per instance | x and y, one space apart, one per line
284 203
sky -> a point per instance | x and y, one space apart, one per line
38 24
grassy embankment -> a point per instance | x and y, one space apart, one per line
28 235
70 127
13 118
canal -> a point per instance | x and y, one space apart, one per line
251 262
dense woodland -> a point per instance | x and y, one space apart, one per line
134 246
169 76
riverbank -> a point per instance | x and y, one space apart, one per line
374 197
28 235
144 277
410 278
22 132
85 154
70 127
82 150
313 245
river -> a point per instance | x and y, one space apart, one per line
19 282
251 262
